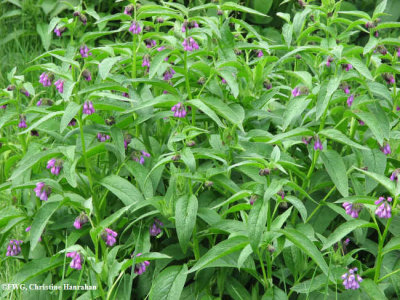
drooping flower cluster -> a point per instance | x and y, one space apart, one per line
146 61
42 191
351 280
389 78
155 229
109 236
329 61
140 157
352 209
87 75
347 67
394 175
179 110
135 28
189 25
55 166
22 122
72 122
150 43
88 108
190 44
25 92
384 209
140 268
318 144
81 220
168 74
298 91
386 149
45 79
59 31
59 85
127 140
129 9
350 100
260 53
14 248
84 50
102 137
345 87
76 262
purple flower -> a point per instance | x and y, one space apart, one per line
127 141
76 262
351 280
260 53
155 229
318 144
87 75
386 149
350 100
150 43
352 209
346 241
81 220
34 133
59 85
190 44
102 137
88 108
59 31
128 10
179 110
348 67
223 81
361 122
329 61
27 229
146 61
42 191
384 208
45 79
306 140
25 92
14 248
282 194
140 268
55 166
3 106
159 49
22 122
84 50
135 28
169 74
398 52
109 236
296 92
39 102
394 176
72 122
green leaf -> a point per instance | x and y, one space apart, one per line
299 205
157 61
380 8
185 218
42 30
42 217
325 95
338 136
205 109
294 132
188 158
287 32
220 250
343 230
106 65
36 267
223 110
122 188
156 82
383 180
376 121
369 287
360 67
40 121
304 243
118 139
237 7
303 76
68 88
168 284
70 112
231 80
258 215
293 110
380 90
372 43
393 244
236 290
337 170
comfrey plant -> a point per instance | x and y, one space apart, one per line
233 161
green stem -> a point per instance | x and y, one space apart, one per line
263 270
320 204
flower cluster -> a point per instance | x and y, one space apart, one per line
140 157
102 137
45 79
386 149
42 191
394 175
14 248
87 75
55 166
109 236
155 229
135 28
81 220
189 25
384 208
318 144
76 262
350 100
140 268
190 44
22 122
84 50
179 110
169 74
88 108
59 85
329 61
352 209
59 30
351 280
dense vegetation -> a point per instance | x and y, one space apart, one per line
191 150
